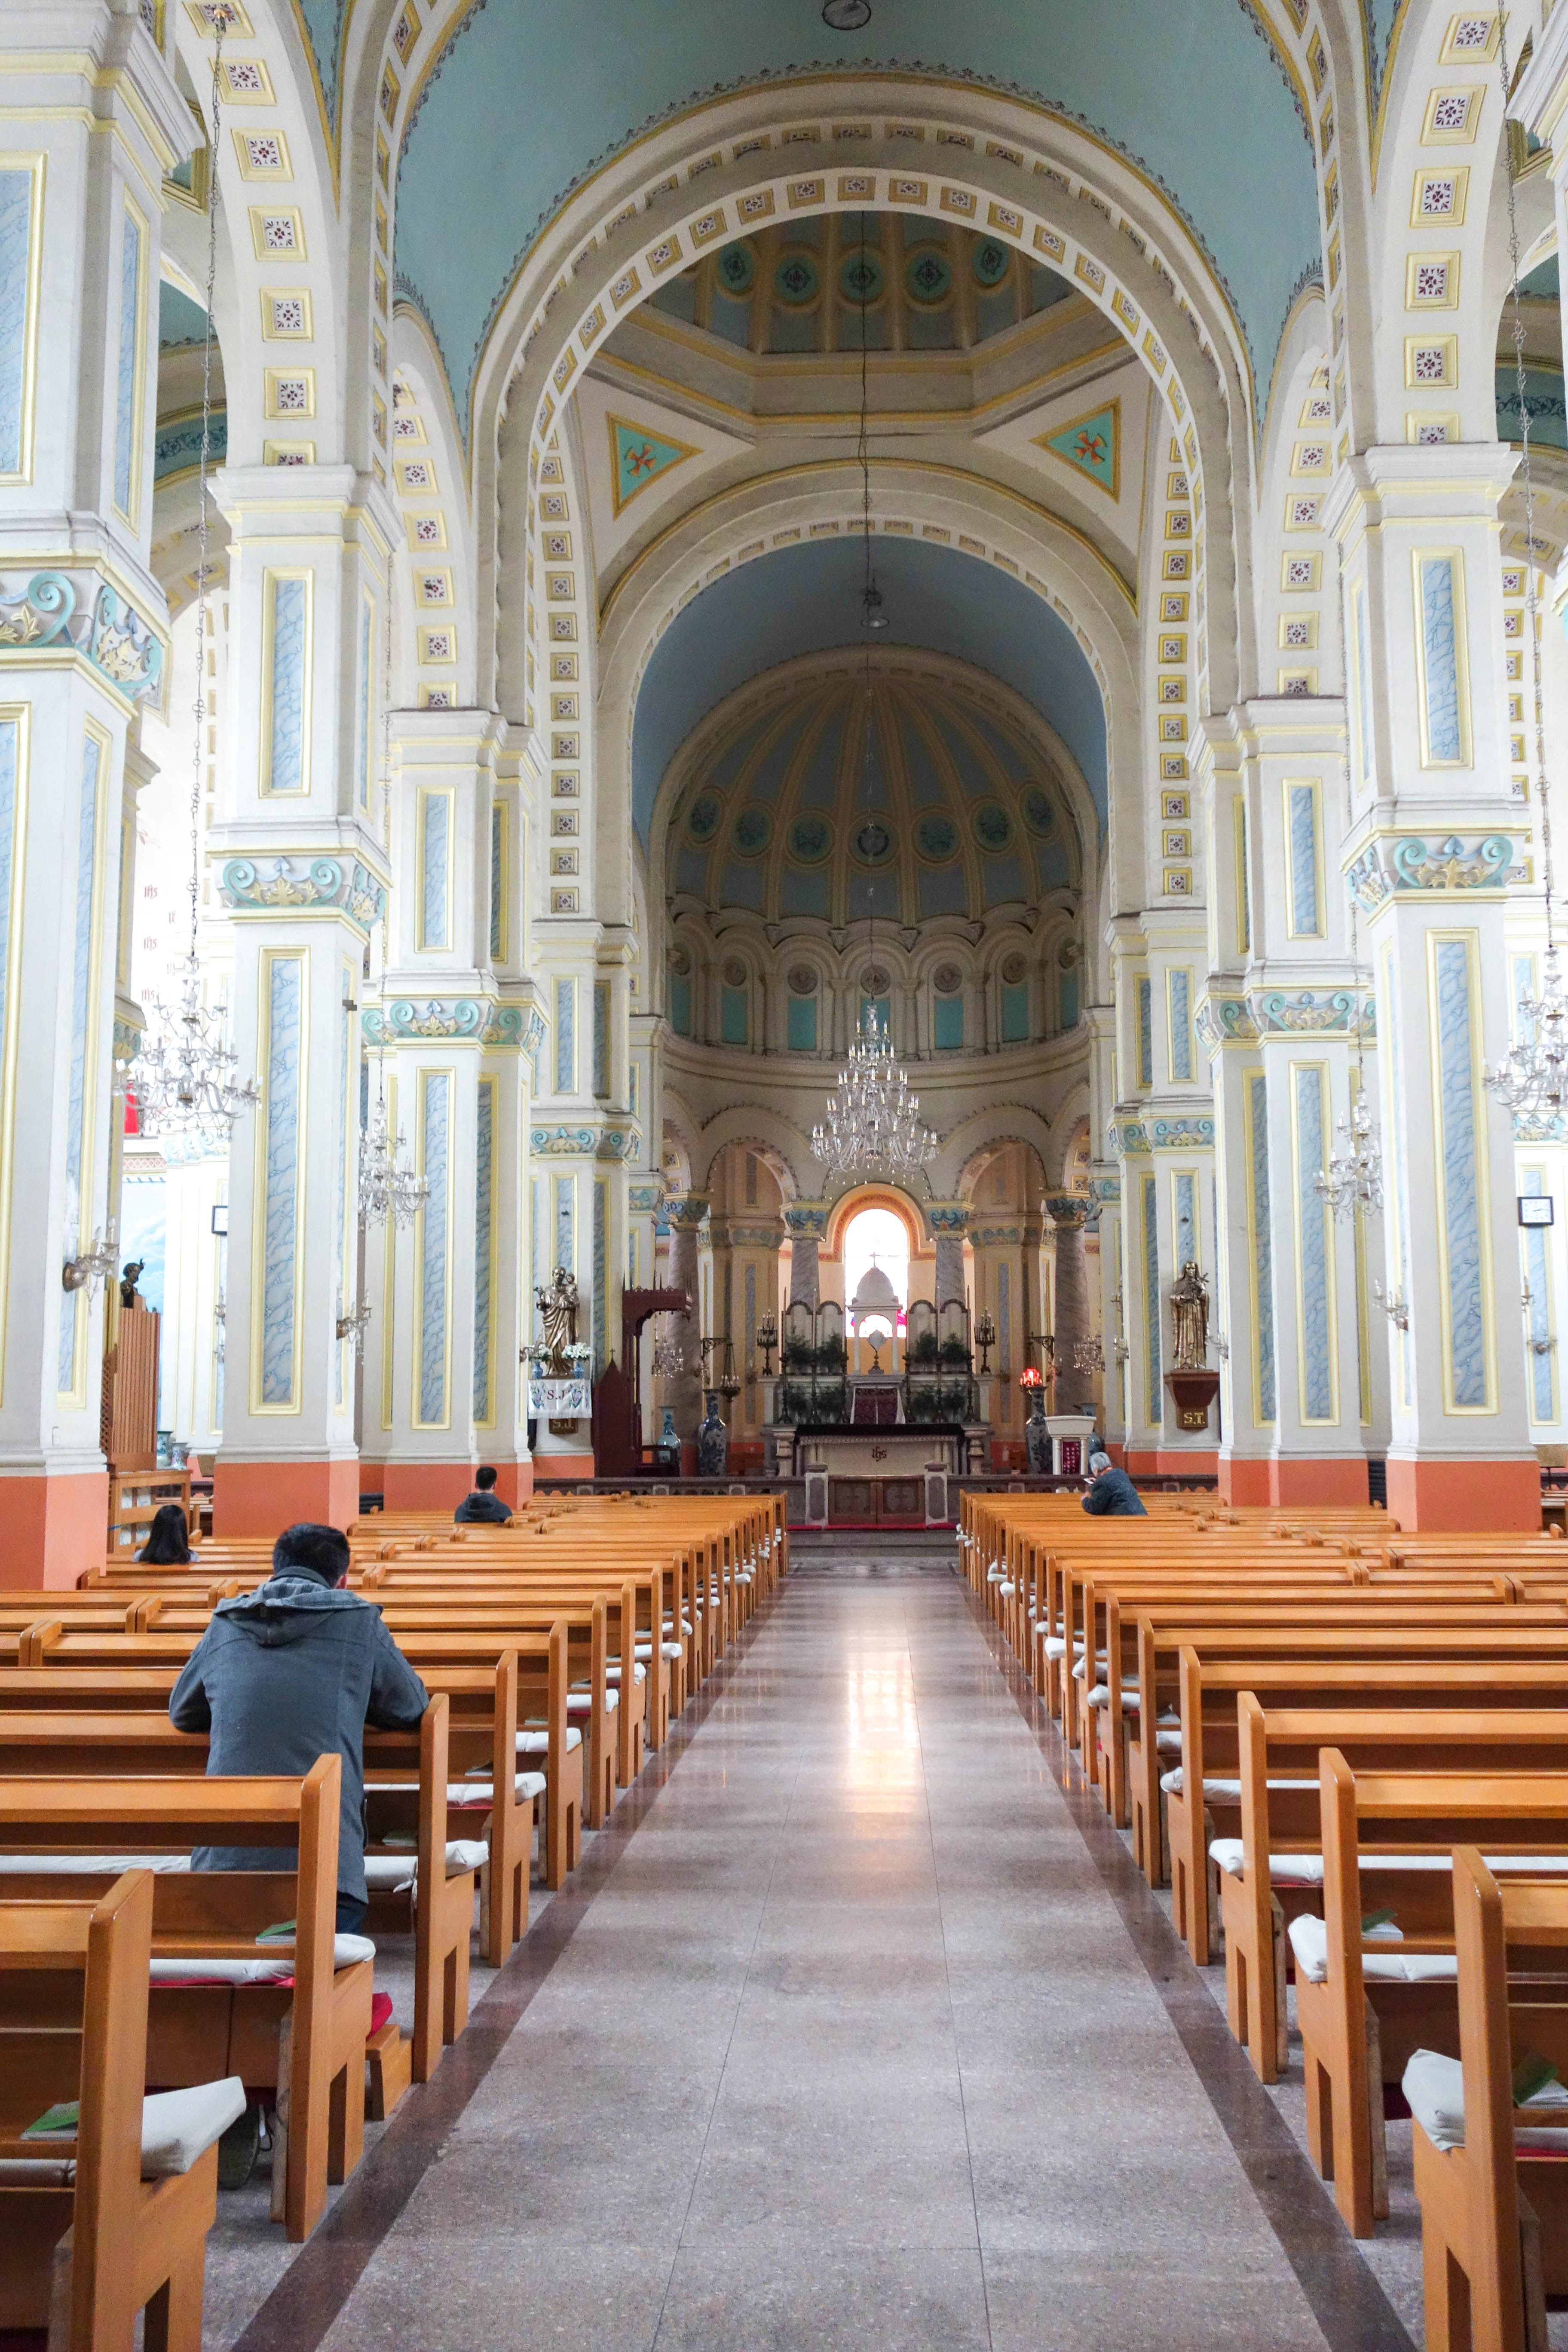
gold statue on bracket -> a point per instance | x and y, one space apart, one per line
1190 1319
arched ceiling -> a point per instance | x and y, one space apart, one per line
806 600
912 801
527 100
817 285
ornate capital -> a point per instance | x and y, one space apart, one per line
685 1210
1395 864
80 609
621 1143
476 1020
948 1216
1068 1208
807 1221
303 885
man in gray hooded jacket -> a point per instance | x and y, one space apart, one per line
290 1672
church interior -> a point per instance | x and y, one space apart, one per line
779 788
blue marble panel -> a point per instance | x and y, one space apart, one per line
434 1304
280 1178
1306 915
125 366
566 1037
1460 1175
15 254
1538 1330
81 1004
601 1041
484 1154
1145 1033
1312 1227
1156 1393
366 716
601 1276
1364 668
434 852
497 880
1181 988
1440 661
341 1218
1391 1029
1263 1253
1186 1220
10 779
1523 999
1003 1318
286 745
566 1222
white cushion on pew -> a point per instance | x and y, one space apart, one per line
1101 1697
178 2126
993 1575
1434 2087
537 1743
1284 1869
1226 1792
639 1672
479 1788
1081 1663
742 1575
37 2172
347 1951
106 1866
1006 1589
1167 1740
1310 1942
1055 1645
581 1701
398 1871
672 1648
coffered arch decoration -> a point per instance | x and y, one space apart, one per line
818 792
1059 195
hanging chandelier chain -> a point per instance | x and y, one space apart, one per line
1531 601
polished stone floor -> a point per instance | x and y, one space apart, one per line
864 2036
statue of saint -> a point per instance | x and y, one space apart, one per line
1190 1319
557 1305
130 1276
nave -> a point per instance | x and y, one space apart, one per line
853 2027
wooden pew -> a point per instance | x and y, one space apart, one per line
1277 1787
1418 1817
1495 2205
206 2031
89 2241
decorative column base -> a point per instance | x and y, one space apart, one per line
1337 1480
57 1524
427 1485
263 1497
1502 1498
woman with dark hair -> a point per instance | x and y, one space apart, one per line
168 1543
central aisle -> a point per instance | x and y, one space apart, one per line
852 2049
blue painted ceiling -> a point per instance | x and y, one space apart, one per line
805 600
906 804
530 99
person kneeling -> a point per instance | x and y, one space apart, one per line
1111 1491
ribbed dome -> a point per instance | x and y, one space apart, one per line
874 1295
947 809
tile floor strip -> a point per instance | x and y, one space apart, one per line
308 2298
1347 2300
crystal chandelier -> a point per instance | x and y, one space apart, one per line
1354 1178
1531 1079
388 1186
873 1120
186 1074
873 1123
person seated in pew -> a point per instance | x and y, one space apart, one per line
168 1543
482 1503
1111 1491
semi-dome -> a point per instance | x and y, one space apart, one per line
920 797
874 1295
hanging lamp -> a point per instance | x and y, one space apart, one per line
185 1073
872 1125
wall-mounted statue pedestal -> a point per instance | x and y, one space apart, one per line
1192 1394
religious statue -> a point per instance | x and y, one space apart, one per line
1190 1319
131 1274
1037 1439
557 1305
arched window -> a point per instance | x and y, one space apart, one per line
876 1235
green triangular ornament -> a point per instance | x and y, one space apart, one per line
1091 444
638 457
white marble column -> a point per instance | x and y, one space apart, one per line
93 123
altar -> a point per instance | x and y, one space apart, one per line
880 1475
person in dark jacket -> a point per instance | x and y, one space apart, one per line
290 1672
168 1543
1111 1491
483 1504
